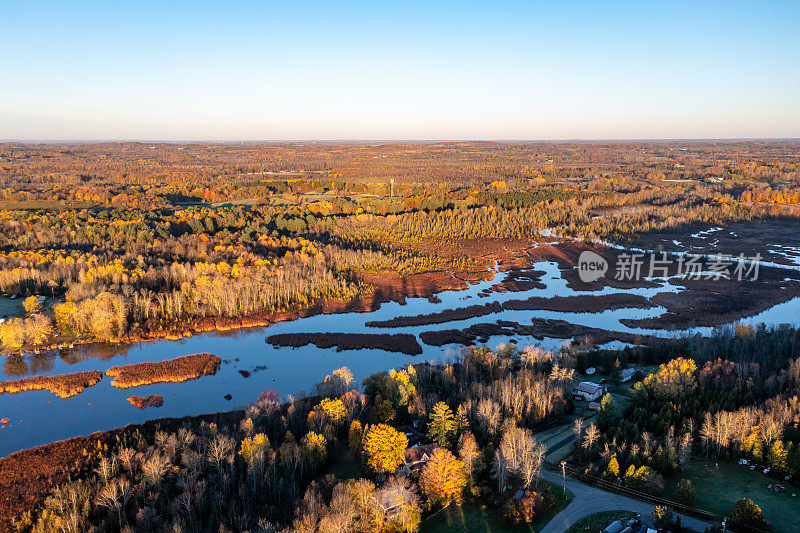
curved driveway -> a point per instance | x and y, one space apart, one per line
588 500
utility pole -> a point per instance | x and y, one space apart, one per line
564 477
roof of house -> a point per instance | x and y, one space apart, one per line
588 387
392 497
415 454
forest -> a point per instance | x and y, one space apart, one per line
133 241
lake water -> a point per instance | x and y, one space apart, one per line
39 417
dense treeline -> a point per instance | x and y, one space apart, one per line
459 162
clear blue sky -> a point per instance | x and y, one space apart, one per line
399 70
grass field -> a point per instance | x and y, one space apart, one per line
473 518
719 489
11 308
594 523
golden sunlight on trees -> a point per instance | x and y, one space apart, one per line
442 478
442 425
384 448
675 379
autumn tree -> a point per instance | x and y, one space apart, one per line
674 380
591 436
315 448
520 455
612 470
747 513
442 425
384 448
254 446
777 456
31 304
333 410
469 452
336 383
442 477
662 516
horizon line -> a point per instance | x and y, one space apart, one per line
397 141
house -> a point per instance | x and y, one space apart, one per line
415 458
586 390
627 374
392 500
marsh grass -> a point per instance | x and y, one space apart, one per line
64 385
178 369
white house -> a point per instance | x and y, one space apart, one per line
586 390
627 374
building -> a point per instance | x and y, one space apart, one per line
393 500
627 374
588 391
415 458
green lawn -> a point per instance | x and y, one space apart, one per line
718 490
597 522
473 518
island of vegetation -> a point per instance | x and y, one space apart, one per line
183 368
395 342
153 400
64 385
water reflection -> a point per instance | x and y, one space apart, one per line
15 365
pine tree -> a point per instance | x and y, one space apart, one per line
442 425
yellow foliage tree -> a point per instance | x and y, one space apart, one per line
30 304
674 379
384 448
315 448
442 478
334 410
253 446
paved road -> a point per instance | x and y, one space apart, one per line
588 500
557 446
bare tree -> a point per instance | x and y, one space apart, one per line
592 434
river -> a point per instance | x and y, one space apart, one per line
39 417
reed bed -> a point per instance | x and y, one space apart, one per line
153 400
179 369
64 385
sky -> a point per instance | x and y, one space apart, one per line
429 70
